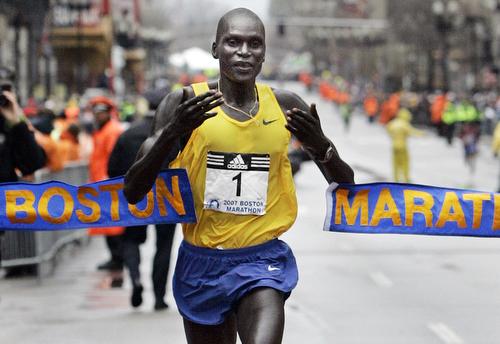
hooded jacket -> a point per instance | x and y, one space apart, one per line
18 150
400 129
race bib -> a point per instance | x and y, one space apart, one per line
237 183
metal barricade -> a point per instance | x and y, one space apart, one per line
37 247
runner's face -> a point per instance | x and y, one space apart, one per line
241 48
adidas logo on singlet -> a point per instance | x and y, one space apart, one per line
237 163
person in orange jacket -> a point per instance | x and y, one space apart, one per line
306 79
370 106
389 108
324 89
437 109
44 124
104 138
70 144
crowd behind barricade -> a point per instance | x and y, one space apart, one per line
466 116
105 133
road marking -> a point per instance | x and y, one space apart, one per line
381 279
446 334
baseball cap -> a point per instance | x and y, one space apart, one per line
102 104
101 108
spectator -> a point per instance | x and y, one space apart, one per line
70 144
370 106
44 124
18 148
120 161
104 139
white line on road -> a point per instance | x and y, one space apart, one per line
446 334
381 279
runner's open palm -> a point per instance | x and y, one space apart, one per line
306 127
191 113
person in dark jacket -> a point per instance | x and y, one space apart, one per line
18 148
122 157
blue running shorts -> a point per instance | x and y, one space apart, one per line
208 282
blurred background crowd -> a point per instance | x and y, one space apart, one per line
437 59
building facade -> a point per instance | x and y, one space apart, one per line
21 43
411 44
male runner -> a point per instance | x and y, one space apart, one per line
233 274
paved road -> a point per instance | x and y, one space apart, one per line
353 289
390 288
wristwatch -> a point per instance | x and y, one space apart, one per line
329 152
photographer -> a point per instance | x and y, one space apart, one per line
18 148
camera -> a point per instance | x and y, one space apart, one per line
3 99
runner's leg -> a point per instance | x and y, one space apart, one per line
261 317
224 333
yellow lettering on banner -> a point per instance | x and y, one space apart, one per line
150 206
386 209
43 205
95 214
174 198
12 208
360 203
113 189
496 217
477 206
451 211
411 208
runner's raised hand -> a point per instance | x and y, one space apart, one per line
306 127
191 113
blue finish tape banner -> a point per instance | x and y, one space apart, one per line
411 209
60 206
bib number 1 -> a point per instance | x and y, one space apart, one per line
237 183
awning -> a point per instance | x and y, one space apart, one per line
98 37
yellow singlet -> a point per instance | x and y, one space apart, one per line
241 177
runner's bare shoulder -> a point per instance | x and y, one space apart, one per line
289 100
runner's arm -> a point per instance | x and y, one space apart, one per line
304 124
177 116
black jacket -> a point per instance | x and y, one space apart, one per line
127 146
18 150
123 155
